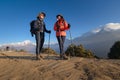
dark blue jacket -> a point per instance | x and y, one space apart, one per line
39 26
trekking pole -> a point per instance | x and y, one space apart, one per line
70 36
73 54
48 46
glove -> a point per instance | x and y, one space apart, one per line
58 27
32 34
49 31
69 25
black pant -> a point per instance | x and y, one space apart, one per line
39 36
61 40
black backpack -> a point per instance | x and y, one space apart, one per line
32 30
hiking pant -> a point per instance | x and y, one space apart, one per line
39 36
61 40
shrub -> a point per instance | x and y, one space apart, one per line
78 51
22 50
115 51
48 50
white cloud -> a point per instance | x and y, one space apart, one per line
112 26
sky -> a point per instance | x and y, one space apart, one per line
83 15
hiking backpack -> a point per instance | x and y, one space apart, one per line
32 30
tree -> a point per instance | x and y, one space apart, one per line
115 51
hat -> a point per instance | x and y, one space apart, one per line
41 13
59 15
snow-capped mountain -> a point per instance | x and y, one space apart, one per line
25 45
101 39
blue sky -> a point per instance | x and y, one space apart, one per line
83 15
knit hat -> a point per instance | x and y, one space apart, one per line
41 13
59 15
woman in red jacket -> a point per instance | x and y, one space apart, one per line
60 27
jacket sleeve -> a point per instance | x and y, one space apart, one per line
55 27
45 29
66 25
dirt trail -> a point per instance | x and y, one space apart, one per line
22 66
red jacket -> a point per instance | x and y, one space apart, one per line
63 25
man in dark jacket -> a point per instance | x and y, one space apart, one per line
40 30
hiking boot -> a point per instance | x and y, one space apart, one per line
37 58
65 57
61 56
41 56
